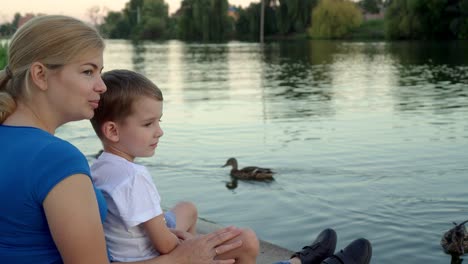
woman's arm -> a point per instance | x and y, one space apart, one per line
201 249
182 235
164 241
74 221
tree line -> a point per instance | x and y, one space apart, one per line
217 20
427 19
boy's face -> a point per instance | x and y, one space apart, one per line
139 133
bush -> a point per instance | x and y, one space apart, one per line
334 19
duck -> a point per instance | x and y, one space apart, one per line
455 240
249 173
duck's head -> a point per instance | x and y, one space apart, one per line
231 162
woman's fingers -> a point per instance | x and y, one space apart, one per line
221 249
218 241
183 235
222 235
204 248
228 261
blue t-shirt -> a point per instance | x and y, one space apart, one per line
32 162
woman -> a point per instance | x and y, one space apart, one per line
51 213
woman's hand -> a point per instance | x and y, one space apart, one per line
203 249
182 235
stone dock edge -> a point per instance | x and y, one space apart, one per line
269 253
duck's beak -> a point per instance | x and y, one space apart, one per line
224 165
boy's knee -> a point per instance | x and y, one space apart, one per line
189 207
250 242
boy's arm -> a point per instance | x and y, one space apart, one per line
181 235
164 241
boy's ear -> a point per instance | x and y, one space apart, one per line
38 72
110 130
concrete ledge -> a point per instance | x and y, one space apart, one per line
269 253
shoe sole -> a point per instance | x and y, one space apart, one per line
367 246
345 255
330 236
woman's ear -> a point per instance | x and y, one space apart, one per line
110 130
38 73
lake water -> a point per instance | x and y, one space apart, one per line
369 138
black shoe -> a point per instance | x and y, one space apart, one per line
357 252
323 247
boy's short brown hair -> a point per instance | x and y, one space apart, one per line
123 88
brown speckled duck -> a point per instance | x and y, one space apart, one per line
249 173
455 240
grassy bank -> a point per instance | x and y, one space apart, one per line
294 36
369 30
3 55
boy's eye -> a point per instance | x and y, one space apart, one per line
148 124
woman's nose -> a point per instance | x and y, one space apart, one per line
100 86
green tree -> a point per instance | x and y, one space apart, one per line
242 24
115 26
427 19
398 20
132 12
9 29
248 24
154 15
459 22
334 19
140 19
190 22
16 20
371 6
204 20
294 15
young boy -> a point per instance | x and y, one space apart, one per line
127 123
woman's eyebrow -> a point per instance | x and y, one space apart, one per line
92 65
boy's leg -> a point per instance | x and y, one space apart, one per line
248 252
186 217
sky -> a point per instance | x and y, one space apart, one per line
77 8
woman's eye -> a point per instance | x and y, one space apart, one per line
88 72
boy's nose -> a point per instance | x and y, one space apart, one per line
159 132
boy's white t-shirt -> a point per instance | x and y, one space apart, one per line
132 198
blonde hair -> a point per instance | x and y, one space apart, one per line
52 40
